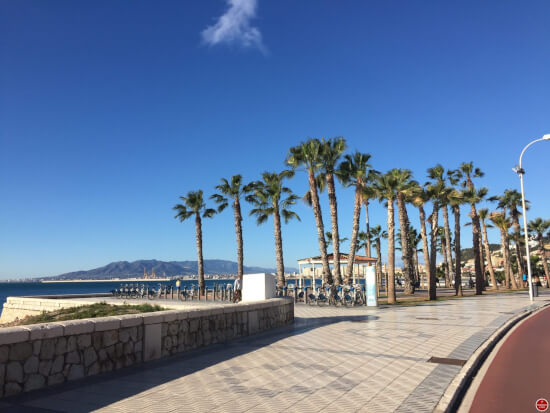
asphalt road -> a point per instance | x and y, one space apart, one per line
520 372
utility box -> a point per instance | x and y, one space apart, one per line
257 287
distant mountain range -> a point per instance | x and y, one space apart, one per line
125 269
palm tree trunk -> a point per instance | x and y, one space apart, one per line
445 261
354 233
448 241
424 244
543 259
200 263
522 265
278 246
368 246
505 257
378 261
482 259
417 266
327 276
458 252
335 234
390 285
405 244
475 246
239 234
488 254
433 253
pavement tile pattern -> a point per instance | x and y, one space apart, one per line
330 360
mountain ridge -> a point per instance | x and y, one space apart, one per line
134 269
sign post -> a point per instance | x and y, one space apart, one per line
370 287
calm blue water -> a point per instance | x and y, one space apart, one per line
19 289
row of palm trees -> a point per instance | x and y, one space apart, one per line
324 162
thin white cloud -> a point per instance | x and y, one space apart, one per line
234 27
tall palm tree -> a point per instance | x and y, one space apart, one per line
194 205
309 154
414 240
483 216
376 233
503 223
331 151
420 198
456 199
436 190
270 198
353 171
369 192
443 248
233 190
538 227
330 239
511 201
404 190
385 188
469 172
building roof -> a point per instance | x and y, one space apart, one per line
343 259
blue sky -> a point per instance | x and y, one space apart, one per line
109 110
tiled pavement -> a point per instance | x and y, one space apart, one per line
331 359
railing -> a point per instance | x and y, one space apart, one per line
218 292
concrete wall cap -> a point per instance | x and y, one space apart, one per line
42 331
152 318
74 327
216 311
168 316
183 315
230 309
130 320
106 323
10 335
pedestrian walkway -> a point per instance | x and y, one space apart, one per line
331 359
525 353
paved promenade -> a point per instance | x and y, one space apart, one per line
331 359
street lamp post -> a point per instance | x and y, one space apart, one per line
520 171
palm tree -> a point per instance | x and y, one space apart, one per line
443 248
456 198
414 240
193 205
511 201
503 223
309 155
404 191
469 172
330 240
270 198
483 215
436 190
234 190
369 192
420 198
385 188
376 233
330 154
538 227
353 171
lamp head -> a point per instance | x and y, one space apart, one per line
546 137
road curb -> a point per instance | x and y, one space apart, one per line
453 396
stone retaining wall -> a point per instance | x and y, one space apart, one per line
39 355
19 307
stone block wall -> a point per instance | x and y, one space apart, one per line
40 355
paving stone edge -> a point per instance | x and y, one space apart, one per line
452 398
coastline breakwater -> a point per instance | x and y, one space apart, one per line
40 355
